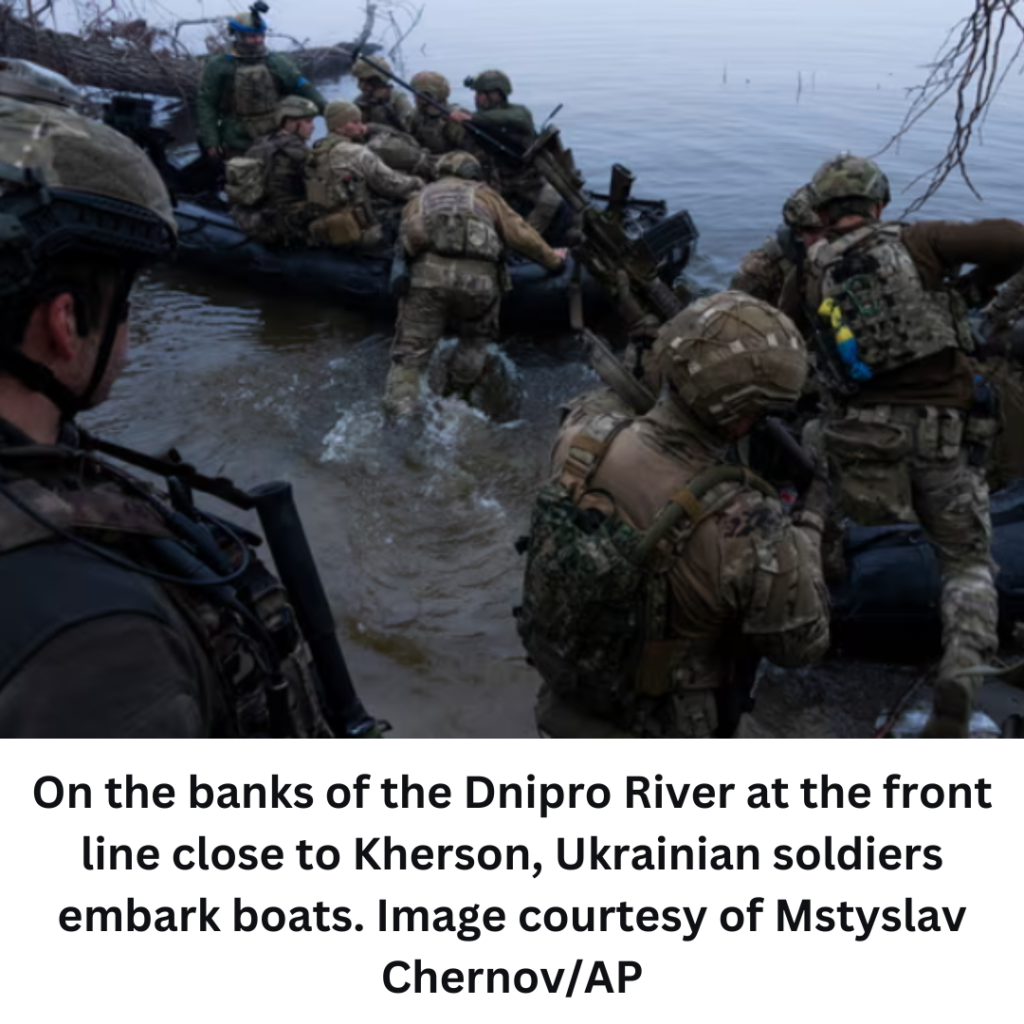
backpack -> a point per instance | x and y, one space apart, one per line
595 612
246 182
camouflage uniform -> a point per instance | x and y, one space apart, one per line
401 152
521 185
1003 365
389 108
740 580
906 445
345 176
394 112
763 272
284 215
97 640
454 234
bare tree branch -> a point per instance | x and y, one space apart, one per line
970 67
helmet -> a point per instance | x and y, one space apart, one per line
849 177
296 106
798 210
249 23
70 187
339 113
362 69
434 85
459 165
491 81
730 357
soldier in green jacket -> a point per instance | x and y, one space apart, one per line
510 124
239 91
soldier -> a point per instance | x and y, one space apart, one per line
763 272
377 100
429 126
657 576
907 432
267 186
1003 363
240 91
105 631
352 182
511 125
454 234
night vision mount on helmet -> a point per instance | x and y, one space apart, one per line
250 23
490 81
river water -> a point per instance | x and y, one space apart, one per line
719 108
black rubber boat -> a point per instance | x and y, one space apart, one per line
209 241
888 609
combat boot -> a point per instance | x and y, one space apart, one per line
402 392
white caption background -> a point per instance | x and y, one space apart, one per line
52 974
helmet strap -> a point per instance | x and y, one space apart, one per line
110 329
38 377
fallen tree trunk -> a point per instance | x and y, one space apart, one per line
126 67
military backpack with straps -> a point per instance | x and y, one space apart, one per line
596 595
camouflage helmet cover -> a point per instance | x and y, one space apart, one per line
798 210
362 69
459 165
731 357
67 152
492 81
339 113
297 107
436 86
849 177
25 80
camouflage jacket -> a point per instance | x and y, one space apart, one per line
514 233
436 133
91 648
218 122
286 155
747 579
352 163
395 112
762 273
400 151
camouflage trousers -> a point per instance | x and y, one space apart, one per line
283 225
904 464
462 297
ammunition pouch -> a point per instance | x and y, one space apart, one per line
336 229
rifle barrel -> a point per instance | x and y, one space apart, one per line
287 541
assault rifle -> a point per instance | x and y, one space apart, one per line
286 539
623 265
